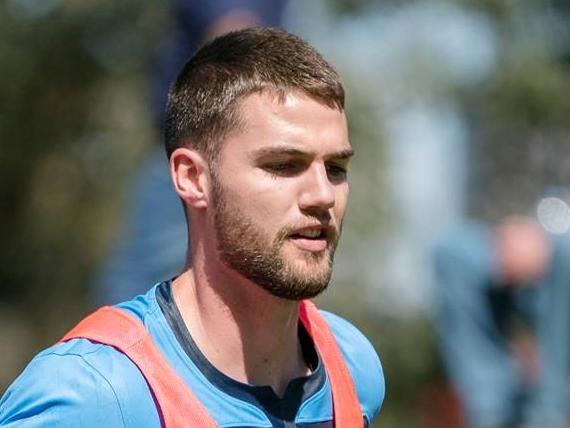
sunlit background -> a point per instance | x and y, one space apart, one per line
457 108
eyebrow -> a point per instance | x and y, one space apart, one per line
290 151
342 154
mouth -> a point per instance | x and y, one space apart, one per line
312 239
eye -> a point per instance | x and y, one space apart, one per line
284 168
337 172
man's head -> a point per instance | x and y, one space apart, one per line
523 250
203 102
258 143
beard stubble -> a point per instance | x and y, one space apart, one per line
244 248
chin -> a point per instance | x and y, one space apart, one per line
311 271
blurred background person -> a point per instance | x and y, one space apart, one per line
142 252
504 322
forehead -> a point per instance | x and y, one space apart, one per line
292 121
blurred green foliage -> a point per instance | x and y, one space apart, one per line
72 124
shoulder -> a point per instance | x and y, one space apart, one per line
468 245
78 383
464 237
362 361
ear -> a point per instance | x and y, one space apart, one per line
189 171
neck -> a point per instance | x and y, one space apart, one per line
246 333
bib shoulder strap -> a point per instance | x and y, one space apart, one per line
346 407
178 407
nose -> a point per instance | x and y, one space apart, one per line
318 191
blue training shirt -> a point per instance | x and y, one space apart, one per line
80 383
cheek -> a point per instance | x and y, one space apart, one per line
261 198
271 205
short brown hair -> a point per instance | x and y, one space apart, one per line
202 102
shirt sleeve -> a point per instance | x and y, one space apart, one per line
63 391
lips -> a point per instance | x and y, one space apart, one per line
312 238
310 233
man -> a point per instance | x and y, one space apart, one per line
504 323
258 147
